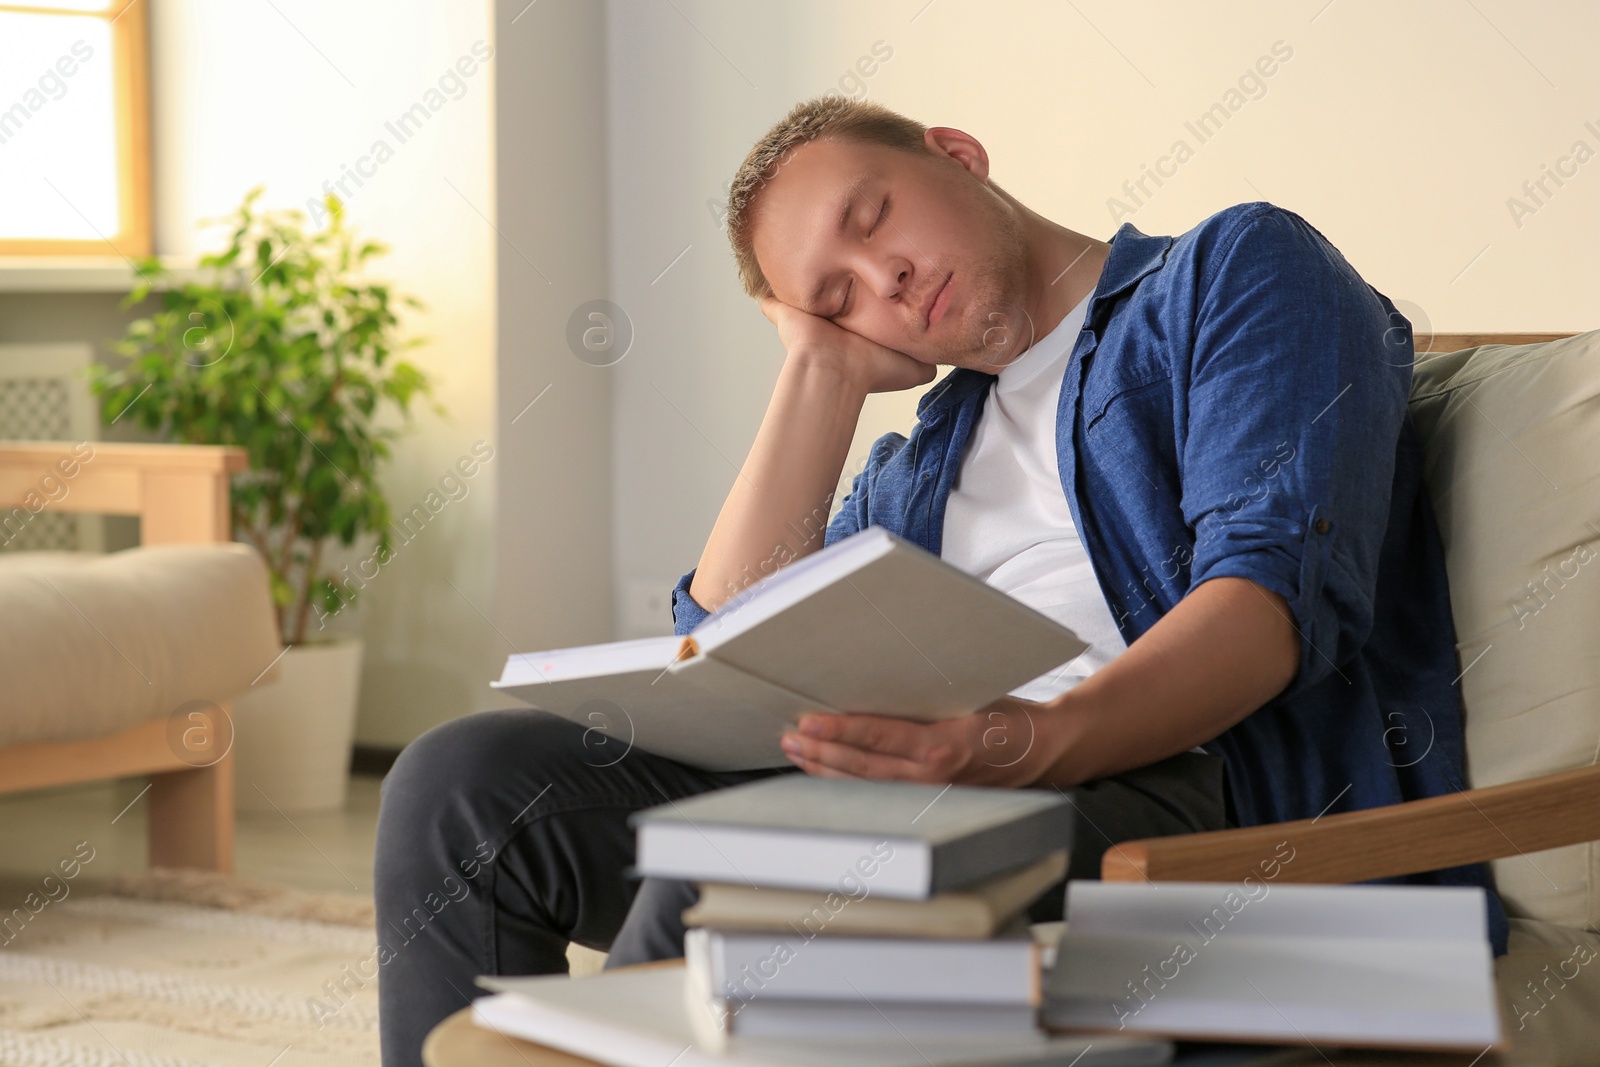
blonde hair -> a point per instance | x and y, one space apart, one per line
829 115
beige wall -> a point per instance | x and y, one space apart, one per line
599 139
502 243
291 95
1398 130
553 542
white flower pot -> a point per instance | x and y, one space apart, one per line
292 737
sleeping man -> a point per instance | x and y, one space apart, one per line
1194 451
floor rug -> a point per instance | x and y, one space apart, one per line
173 968
179 968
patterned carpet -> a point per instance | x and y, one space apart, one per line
183 968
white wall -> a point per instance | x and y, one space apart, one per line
1399 131
553 586
290 94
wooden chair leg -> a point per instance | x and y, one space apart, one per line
191 817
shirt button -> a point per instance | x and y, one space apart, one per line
1323 526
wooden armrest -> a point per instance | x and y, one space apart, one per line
1423 835
41 455
1426 343
179 492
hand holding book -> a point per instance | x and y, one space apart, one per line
1223 651
871 624
875 626
993 746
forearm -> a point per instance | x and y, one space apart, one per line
1224 650
777 510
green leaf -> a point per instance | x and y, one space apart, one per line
284 349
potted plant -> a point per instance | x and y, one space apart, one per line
286 350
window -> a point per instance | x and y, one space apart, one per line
74 128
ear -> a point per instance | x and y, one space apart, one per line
959 146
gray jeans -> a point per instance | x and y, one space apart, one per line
503 836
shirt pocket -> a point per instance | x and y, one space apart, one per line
1129 459
1149 393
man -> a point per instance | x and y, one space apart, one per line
1193 451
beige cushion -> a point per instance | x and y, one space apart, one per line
90 645
1512 441
1549 986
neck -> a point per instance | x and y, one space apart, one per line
1062 267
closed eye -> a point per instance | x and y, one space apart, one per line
882 211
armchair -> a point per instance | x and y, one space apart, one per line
118 665
1511 431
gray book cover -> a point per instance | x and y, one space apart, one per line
779 830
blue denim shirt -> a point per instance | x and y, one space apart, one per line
1236 404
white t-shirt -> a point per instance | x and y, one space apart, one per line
1007 520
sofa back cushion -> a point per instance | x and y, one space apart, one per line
1511 435
94 644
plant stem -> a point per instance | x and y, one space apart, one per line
304 608
258 541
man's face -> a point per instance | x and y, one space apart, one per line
920 234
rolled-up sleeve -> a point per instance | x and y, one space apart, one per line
686 610
1296 396
855 513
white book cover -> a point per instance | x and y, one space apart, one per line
1368 966
754 966
849 1019
645 1017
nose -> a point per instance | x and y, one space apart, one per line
890 279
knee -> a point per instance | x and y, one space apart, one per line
445 783
474 751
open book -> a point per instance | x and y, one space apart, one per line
646 1017
871 623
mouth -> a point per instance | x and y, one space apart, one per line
937 303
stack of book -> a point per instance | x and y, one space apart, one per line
841 908
847 923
